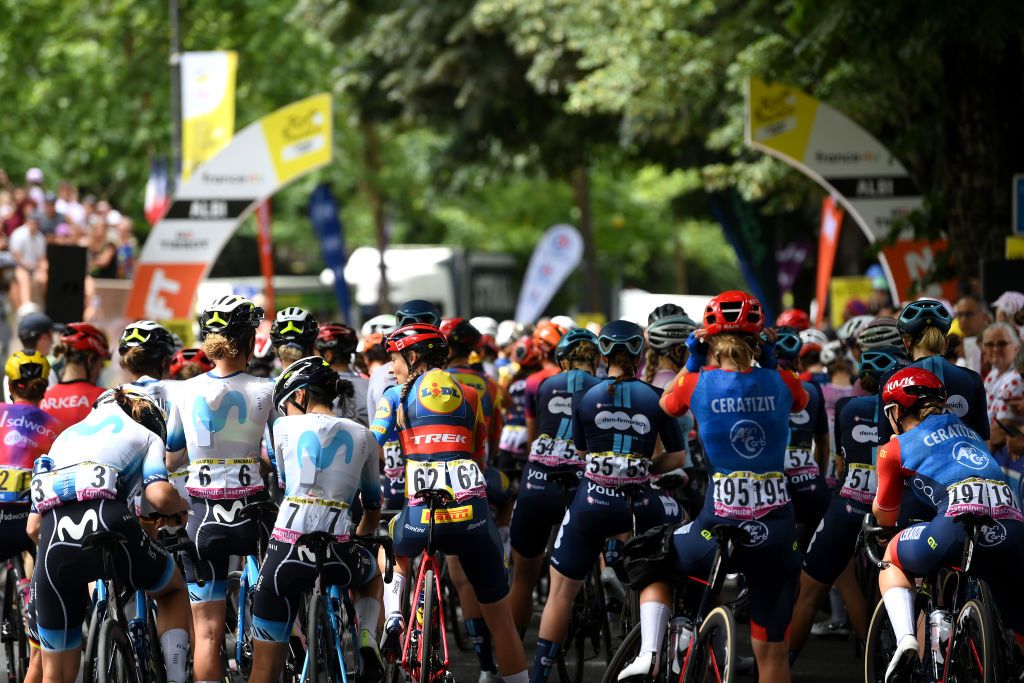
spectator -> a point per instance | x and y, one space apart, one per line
1000 344
28 247
1009 308
23 206
49 218
971 313
1006 418
102 251
67 203
34 183
127 248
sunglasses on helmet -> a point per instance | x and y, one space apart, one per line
606 344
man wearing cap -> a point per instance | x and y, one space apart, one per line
28 247
35 331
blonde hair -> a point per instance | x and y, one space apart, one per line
932 342
289 354
219 347
931 407
734 348
651 362
584 353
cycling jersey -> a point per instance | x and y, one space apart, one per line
26 433
804 478
70 402
489 393
533 387
381 380
354 408
157 390
513 442
553 445
661 379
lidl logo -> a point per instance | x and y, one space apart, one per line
438 393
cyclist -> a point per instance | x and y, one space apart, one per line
264 363
616 427
217 421
187 363
325 462
541 505
545 337
337 343
429 402
795 318
949 469
742 413
146 349
880 333
513 445
668 328
293 334
847 335
84 352
827 560
814 342
412 311
35 331
79 488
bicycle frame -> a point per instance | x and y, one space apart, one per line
246 586
429 561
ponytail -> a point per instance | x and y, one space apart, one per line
653 359
428 360
932 341
623 359
734 348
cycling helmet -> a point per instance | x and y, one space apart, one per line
150 336
571 340
508 332
33 326
294 326
418 337
923 313
487 326
880 362
378 324
734 312
664 311
621 333
152 417
879 333
313 373
831 351
461 335
337 337
547 335
911 385
25 366
847 332
231 316
814 340
526 352
795 318
788 343
178 343
417 311
187 356
670 331
565 322
85 337
263 349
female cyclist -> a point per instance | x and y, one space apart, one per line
79 489
293 334
947 466
668 328
337 343
616 427
513 446
217 421
742 413
146 349
436 419
187 363
84 350
325 462
541 505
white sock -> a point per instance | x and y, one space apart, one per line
367 614
521 677
174 643
653 622
393 594
835 601
899 603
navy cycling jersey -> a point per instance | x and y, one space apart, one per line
856 429
622 418
965 395
554 402
810 422
515 410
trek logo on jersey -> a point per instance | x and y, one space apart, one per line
430 439
865 433
957 405
622 422
970 456
747 438
950 432
744 404
800 418
68 530
560 405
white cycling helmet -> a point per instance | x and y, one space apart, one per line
815 339
485 325
880 333
379 324
849 330
831 351
565 322
507 330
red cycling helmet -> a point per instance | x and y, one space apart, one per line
86 337
910 385
337 337
188 356
547 335
460 333
415 337
734 312
526 352
795 318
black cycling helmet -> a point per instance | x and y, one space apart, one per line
294 326
919 315
152 416
417 311
150 336
461 335
621 334
314 374
32 327
788 343
664 311
337 337
231 316
670 331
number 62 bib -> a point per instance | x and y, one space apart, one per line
461 478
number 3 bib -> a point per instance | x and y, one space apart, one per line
748 495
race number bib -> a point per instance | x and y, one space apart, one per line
394 461
14 481
976 496
179 479
553 452
609 469
861 483
800 462
462 479
219 478
301 515
513 438
748 495
85 481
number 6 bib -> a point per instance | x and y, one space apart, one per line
748 495
223 478
461 478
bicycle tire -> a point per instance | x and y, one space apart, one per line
14 630
975 644
625 653
158 673
879 645
323 661
90 667
427 634
116 661
713 657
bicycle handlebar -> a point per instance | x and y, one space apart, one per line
870 532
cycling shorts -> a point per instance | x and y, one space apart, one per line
219 531
289 573
835 540
769 561
500 489
810 496
13 538
64 568
465 530
597 512
394 493
539 507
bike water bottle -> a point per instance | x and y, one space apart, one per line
680 634
938 625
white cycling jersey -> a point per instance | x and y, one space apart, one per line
324 461
380 381
221 421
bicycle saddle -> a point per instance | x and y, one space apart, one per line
439 498
727 532
104 540
565 480
258 509
316 541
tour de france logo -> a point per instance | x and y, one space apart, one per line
747 438
968 455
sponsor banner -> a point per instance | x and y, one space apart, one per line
323 213
218 196
556 255
207 106
909 261
790 261
842 290
1015 247
828 242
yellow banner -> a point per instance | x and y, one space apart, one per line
299 136
843 290
1015 247
207 106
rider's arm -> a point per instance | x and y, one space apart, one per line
530 409
494 428
384 422
676 399
671 437
886 507
369 488
579 435
984 428
822 442
796 388
479 428
176 455
156 489
32 526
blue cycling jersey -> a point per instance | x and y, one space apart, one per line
622 418
554 402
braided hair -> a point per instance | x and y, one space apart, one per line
427 360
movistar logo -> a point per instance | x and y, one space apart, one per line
224 515
322 456
306 555
214 420
91 427
68 530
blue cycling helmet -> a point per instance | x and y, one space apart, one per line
571 339
417 311
881 362
788 343
621 333
919 315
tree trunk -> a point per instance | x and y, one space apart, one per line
591 284
371 162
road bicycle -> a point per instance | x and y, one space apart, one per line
13 624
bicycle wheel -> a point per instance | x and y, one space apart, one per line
116 662
237 636
879 646
90 672
714 655
428 635
323 657
157 672
453 615
12 630
974 655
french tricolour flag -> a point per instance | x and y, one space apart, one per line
157 201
